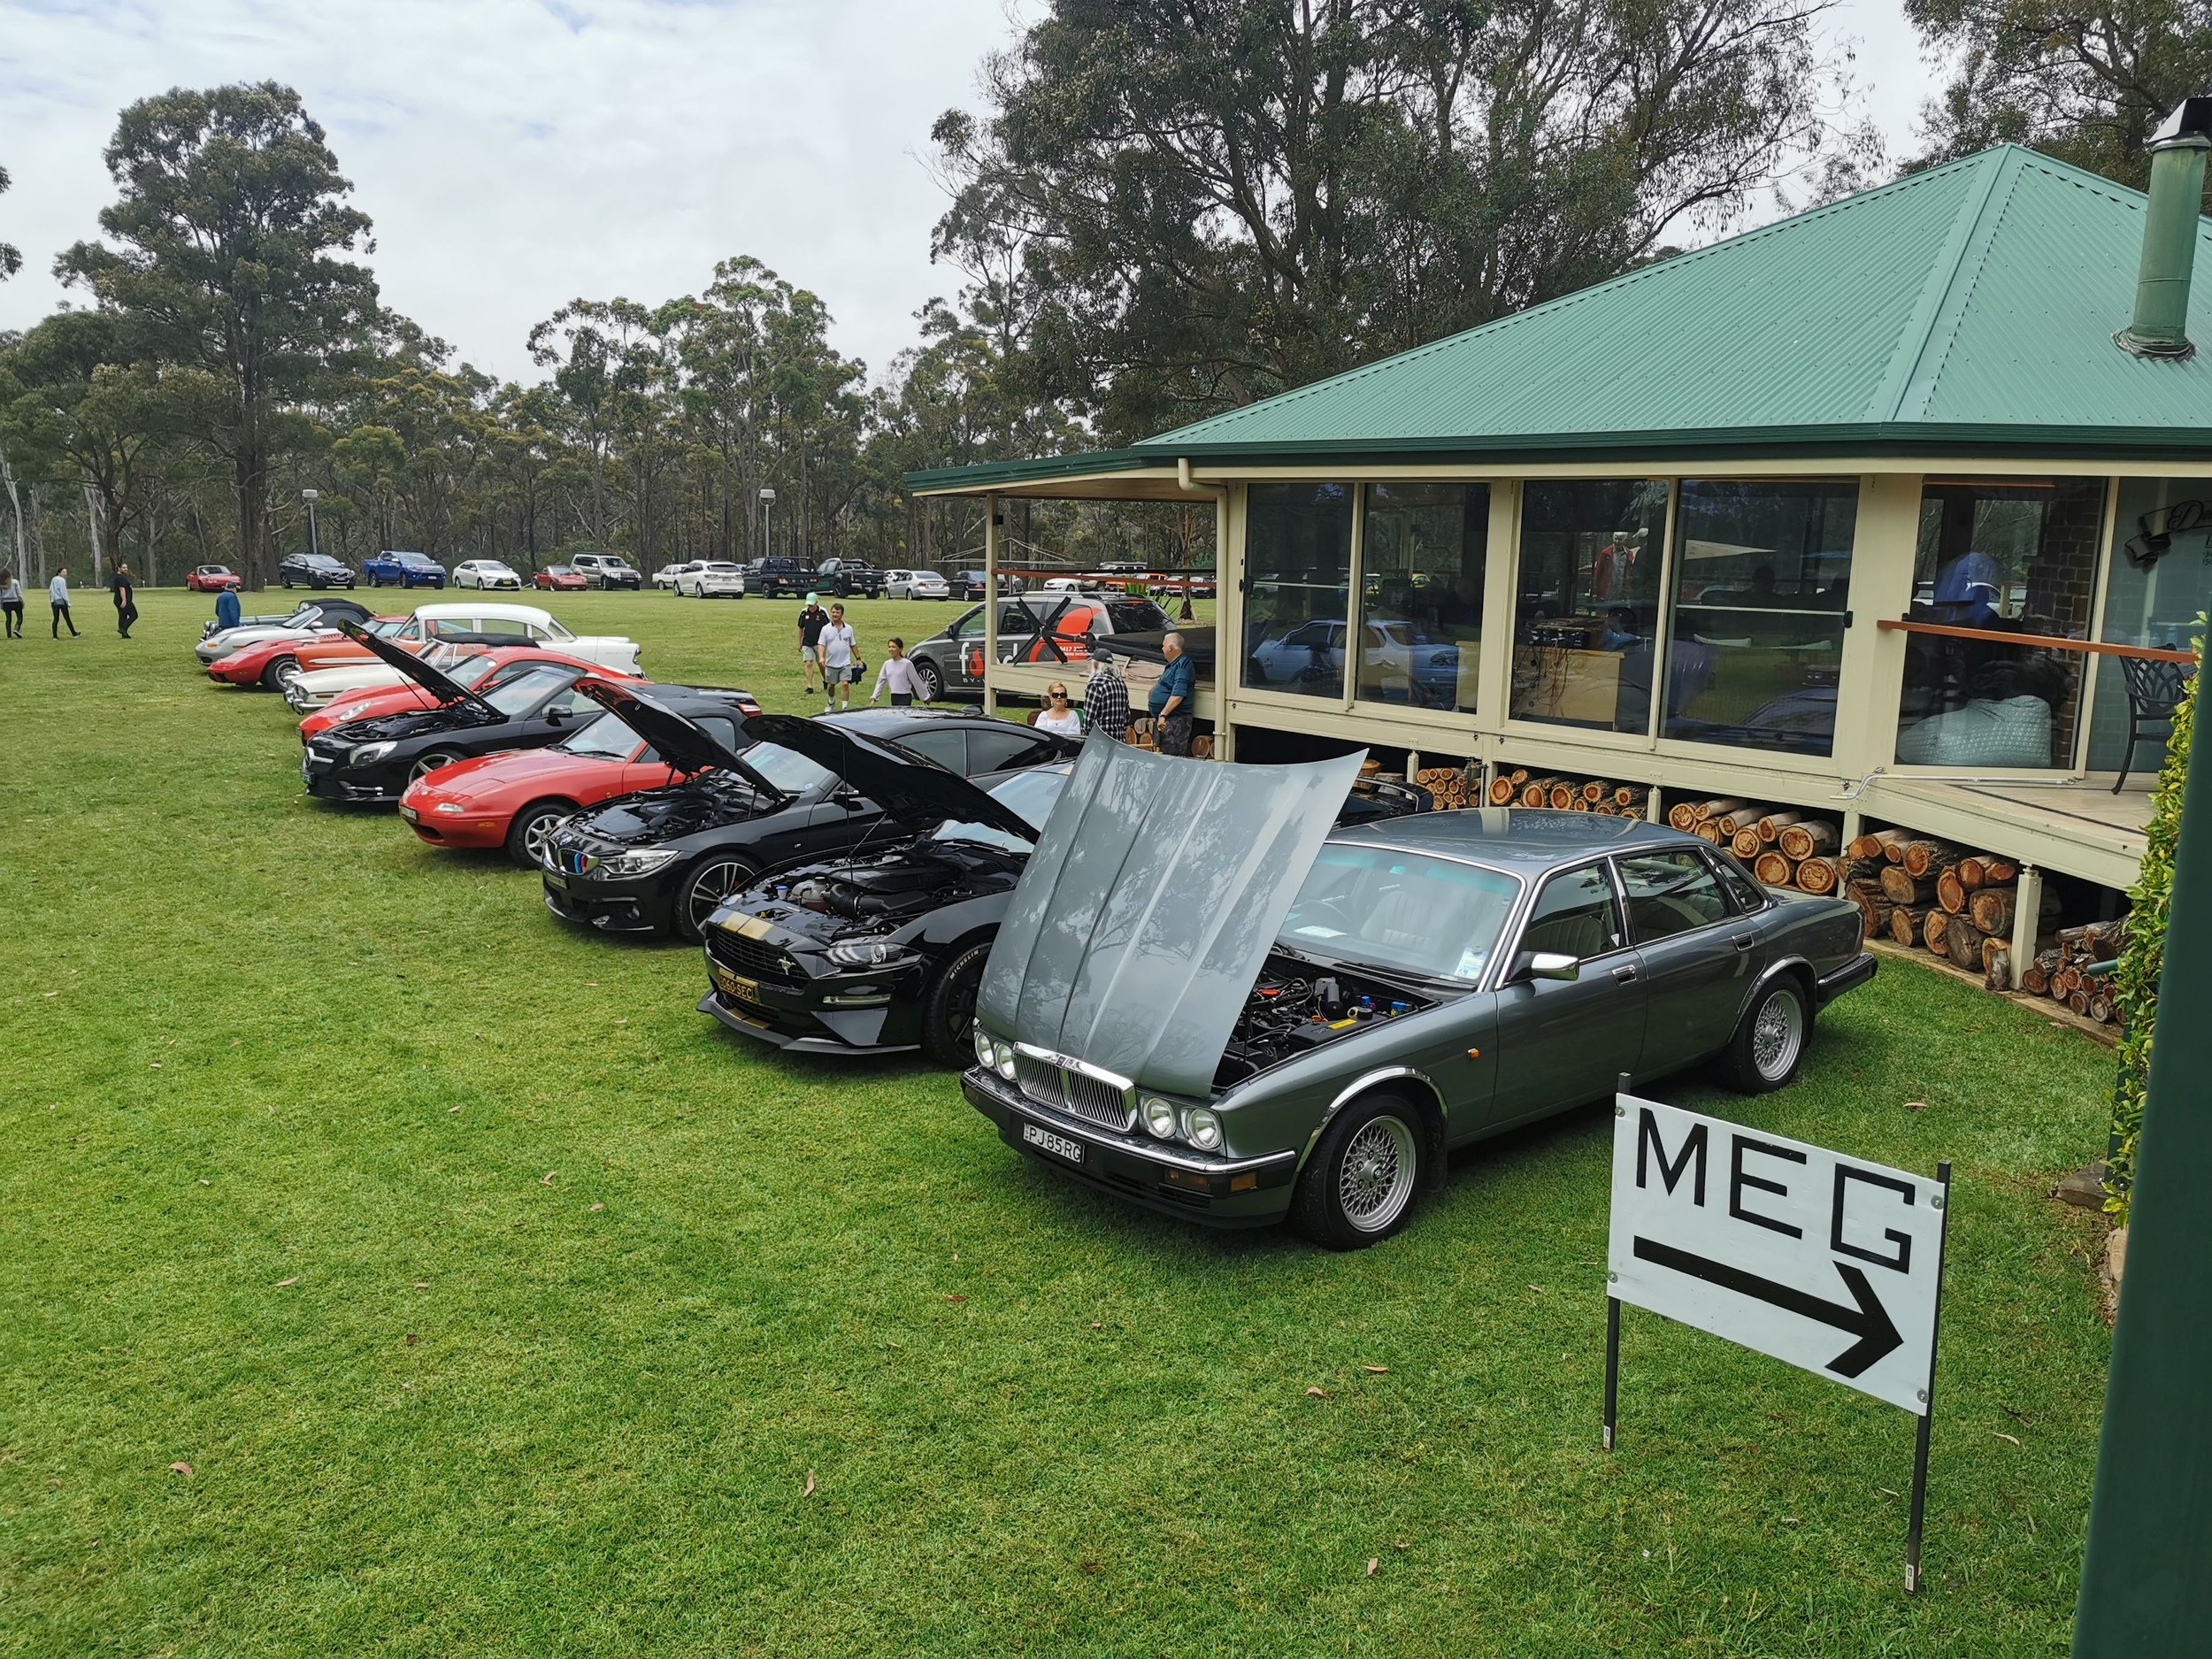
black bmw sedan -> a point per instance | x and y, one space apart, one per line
664 860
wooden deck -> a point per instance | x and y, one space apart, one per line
2077 828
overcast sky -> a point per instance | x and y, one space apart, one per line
517 154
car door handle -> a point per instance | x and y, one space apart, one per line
1625 974
1744 941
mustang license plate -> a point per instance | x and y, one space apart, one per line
1059 1146
731 985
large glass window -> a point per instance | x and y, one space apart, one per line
2159 583
1586 618
2011 559
1298 557
1421 571
1762 575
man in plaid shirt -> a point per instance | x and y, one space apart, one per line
1106 702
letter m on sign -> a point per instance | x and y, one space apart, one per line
1650 1149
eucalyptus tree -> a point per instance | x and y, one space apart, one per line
10 256
228 232
602 355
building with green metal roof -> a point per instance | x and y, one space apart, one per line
1897 512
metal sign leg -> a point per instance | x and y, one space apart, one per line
1927 1404
1612 1366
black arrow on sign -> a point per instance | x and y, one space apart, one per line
1869 1320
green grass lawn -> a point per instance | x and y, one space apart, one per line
500 1304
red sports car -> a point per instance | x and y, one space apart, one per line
512 800
211 579
476 669
562 579
270 663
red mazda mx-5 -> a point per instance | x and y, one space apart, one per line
512 800
476 668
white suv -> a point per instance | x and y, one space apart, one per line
484 573
710 579
608 569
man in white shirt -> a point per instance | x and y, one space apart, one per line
898 677
838 650
57 595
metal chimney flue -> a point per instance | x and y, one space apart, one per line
2161 327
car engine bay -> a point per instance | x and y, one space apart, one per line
1295 1007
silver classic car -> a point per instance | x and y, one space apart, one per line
1206 1000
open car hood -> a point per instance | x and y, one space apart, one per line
912 788
440 685
684 744
1143 917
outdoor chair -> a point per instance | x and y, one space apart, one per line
2154 694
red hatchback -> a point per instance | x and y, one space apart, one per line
562 579
475 669
512 800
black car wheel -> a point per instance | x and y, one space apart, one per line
279 674
1358 1186
430 762
712 880
287 580
949 1008
528 829
932 682
1769 1041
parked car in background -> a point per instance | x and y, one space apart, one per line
607 570
970 584
1364 1000
512 801
487 574
849 577
663 861
1040 628
915 585
313 570
665 576
711 579
403 569
778 578
210 578
561 579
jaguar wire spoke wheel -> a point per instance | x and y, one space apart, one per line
1375 1179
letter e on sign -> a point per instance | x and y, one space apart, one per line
1825 1261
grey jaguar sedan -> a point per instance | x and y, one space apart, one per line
1207 1000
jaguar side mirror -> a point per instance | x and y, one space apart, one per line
1548 965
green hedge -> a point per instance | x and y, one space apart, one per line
2136 983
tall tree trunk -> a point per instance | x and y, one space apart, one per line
250 484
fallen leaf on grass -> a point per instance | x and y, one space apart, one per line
1098 1325
956 1299
2009 1440
206 1182
549 1174
595 1208
1375 1370
1373 1564
810 1484
451 1109
422 1284
49 994
181 1469
286 1284
412 1339
1316 1393
54 1483
1915 1105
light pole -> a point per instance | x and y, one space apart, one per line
767 506
309 496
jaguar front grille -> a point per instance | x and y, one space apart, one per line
1065 1089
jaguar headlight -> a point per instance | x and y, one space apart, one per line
863 953
986 1055
369 754
1159 1117
1201 1127
634 864
1002 1058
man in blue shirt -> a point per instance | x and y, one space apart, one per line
1173 695
227 609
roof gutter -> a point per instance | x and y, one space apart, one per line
2171 226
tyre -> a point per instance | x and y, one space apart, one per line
1771 1040
1359 1185
429 763
287 580
949 1008
932 682
280 672
527 830
710 880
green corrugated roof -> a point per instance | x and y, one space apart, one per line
1010 473
1969 306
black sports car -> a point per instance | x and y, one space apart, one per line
371 762
663 860
882 955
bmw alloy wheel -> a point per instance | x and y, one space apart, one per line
1375 1180
1778 1034
714 883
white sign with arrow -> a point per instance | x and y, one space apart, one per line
1826 1262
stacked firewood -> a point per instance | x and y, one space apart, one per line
1452 785
1607 797
2067 971
1785 846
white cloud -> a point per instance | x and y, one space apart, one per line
515 155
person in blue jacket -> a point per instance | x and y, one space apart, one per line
226 610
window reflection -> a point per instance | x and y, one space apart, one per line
1421 572
1298 552
2159 583
1586 613
1763 577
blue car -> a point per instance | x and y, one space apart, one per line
403 569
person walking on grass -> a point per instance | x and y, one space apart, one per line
58 596
812 621
227 609
898 677
126 600
839 649
12 603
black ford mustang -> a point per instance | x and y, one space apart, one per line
663 861
373 761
